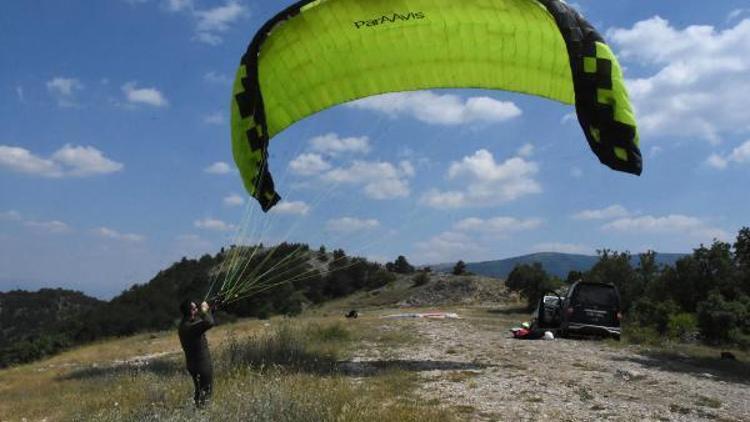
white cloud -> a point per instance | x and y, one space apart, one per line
381 180
739 155
291 207
736 13
218 167
655 151
20 94
608 213
333 144
308 164
48 227
147 96
448 246
22 160
407 168
217 78
432 108
488 182
670 224
68 161
497 226
572 248
214 118
699 89
233 200
179 5
192 244
213 224
211 22
108 233
10 215
350 225
52 227
468 238
63 89
208 38
85 161
569 117
526 151
717 161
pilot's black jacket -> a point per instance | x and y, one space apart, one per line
197 356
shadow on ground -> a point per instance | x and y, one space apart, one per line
375 367
160 367
514 310
702 367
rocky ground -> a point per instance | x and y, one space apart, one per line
474 366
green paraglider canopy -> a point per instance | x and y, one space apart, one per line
319 53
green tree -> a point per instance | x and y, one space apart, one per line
614 268
648 269
655 314
695 276
421 279
459 268
742 259
531 281
402 266
723 321
322 254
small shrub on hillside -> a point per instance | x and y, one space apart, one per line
654 314
641 335
459 268
683 327
421 279
722 321
285 347
328 333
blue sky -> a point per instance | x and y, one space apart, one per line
115 157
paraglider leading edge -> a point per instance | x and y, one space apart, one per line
601 100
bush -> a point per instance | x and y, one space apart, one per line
654 314
421 279
683 327
531 281
459 268
327 333
722 321
295 349
641 335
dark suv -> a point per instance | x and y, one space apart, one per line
591 309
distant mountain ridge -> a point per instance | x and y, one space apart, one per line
555 263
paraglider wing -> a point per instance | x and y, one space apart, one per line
319 53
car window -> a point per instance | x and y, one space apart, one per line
597 295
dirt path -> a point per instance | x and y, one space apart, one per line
474 366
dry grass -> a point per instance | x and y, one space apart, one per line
461 376
274 371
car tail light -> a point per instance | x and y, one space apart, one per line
619 316
569 311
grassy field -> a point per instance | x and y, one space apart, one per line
306 369
277 370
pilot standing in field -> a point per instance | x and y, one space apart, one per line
192 331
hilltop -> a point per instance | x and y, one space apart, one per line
320 366
555 263
35 324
